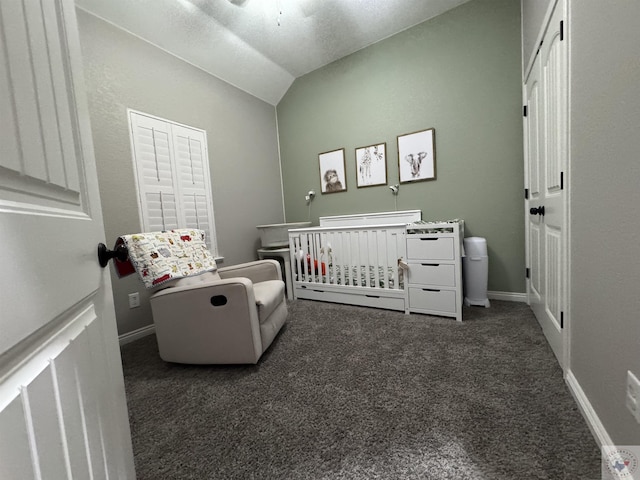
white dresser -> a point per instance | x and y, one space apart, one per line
434 252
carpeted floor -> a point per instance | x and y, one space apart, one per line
357 393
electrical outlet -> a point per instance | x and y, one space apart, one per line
134 300
633 395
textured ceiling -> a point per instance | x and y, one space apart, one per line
262 46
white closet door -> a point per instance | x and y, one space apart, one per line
151 144
546 139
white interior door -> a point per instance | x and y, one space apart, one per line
546 140
62 404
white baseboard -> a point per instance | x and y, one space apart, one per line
508 296
593 421
136 334
602 438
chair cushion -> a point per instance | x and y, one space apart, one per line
269 295
205 277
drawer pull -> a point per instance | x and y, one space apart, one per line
430 264
429 238
373 296
430 290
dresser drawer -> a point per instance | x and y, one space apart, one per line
432 300
430 248
432 274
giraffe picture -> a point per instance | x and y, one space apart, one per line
371 165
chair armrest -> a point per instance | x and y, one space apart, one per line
258 271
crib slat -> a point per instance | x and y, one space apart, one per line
358 260
369 259
363 257
390 254
349 263
297 247
342 261
305 260
381 281
393 241
324 258
383 255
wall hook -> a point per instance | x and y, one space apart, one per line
120 252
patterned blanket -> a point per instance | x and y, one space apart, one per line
162 256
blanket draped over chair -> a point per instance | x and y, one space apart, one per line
159 257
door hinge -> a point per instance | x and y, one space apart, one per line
561 319
561 180
524 111
526 194
561 30
527 272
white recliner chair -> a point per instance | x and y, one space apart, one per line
230 316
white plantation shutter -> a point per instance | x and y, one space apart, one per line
190 153
172 175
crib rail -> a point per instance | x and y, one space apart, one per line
364 257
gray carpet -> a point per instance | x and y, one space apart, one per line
358 393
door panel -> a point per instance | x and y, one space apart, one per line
62 407
535 254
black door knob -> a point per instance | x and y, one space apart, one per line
537 210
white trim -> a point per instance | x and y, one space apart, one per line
567 193
136 334
284 209
596 427
508 296
593 421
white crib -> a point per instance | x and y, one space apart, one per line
353 259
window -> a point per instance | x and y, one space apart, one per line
171 166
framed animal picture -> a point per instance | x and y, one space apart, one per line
417 156
371 165
332 171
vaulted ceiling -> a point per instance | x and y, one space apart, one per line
262 46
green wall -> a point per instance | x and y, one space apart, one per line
458 73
